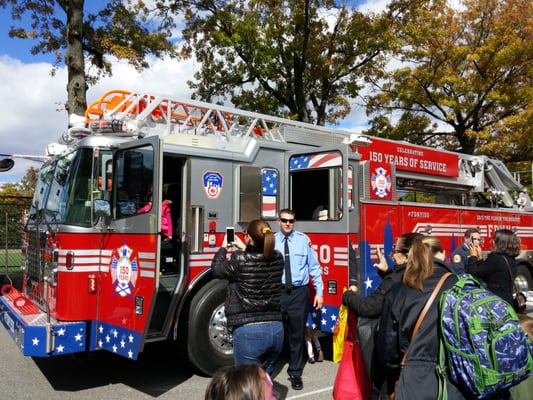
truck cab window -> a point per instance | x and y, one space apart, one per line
63 190
134 173
316 187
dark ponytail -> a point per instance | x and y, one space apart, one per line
262 235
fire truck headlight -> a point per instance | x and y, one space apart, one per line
51 276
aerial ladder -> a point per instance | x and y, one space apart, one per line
142 114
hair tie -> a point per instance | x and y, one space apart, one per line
266 229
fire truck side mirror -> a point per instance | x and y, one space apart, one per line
102 208
6 164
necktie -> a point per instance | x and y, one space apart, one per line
288 277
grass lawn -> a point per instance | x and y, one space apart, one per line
10 262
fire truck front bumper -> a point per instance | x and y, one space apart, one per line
34 332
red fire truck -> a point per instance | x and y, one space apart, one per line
98 274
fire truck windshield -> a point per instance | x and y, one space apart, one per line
63 191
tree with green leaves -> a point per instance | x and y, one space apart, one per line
84 42
300 59
465 79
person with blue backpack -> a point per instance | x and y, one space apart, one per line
483 346
416 376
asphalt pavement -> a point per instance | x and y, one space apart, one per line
157 374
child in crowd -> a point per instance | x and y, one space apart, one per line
240 382
313 344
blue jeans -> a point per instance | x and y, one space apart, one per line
258 343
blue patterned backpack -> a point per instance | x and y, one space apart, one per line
483 348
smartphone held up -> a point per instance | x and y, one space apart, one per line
230 234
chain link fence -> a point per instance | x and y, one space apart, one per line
13 215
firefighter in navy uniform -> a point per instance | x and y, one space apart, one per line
300 263
461 254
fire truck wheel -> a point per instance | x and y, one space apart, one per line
523 280
209 344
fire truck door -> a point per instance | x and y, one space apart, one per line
130 246
320 185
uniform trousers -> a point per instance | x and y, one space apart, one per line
295 309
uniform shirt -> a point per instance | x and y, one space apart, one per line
460 258
304 261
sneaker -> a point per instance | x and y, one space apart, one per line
320 356
311 360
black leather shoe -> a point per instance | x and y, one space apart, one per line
296 382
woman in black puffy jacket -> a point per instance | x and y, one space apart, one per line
252 304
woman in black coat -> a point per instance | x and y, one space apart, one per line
368 309
371 305
498 270
403 304
253 299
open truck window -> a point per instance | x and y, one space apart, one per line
315 186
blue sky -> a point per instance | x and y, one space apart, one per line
31 112
16 48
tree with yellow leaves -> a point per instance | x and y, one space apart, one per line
465 78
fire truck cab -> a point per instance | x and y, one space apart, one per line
100 273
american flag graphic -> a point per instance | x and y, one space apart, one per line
116 339
318 160
269 192
323 319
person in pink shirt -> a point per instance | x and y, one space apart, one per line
166 220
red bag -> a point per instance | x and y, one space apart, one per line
351 381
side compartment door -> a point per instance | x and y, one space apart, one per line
130 245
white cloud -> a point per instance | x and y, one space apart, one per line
32 113
373 5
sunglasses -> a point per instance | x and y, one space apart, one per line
287 221
394 251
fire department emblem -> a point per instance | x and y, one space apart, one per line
124 271
212 184
381 184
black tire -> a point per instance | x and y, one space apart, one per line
209 344
523 280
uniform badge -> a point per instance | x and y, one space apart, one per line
456 258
